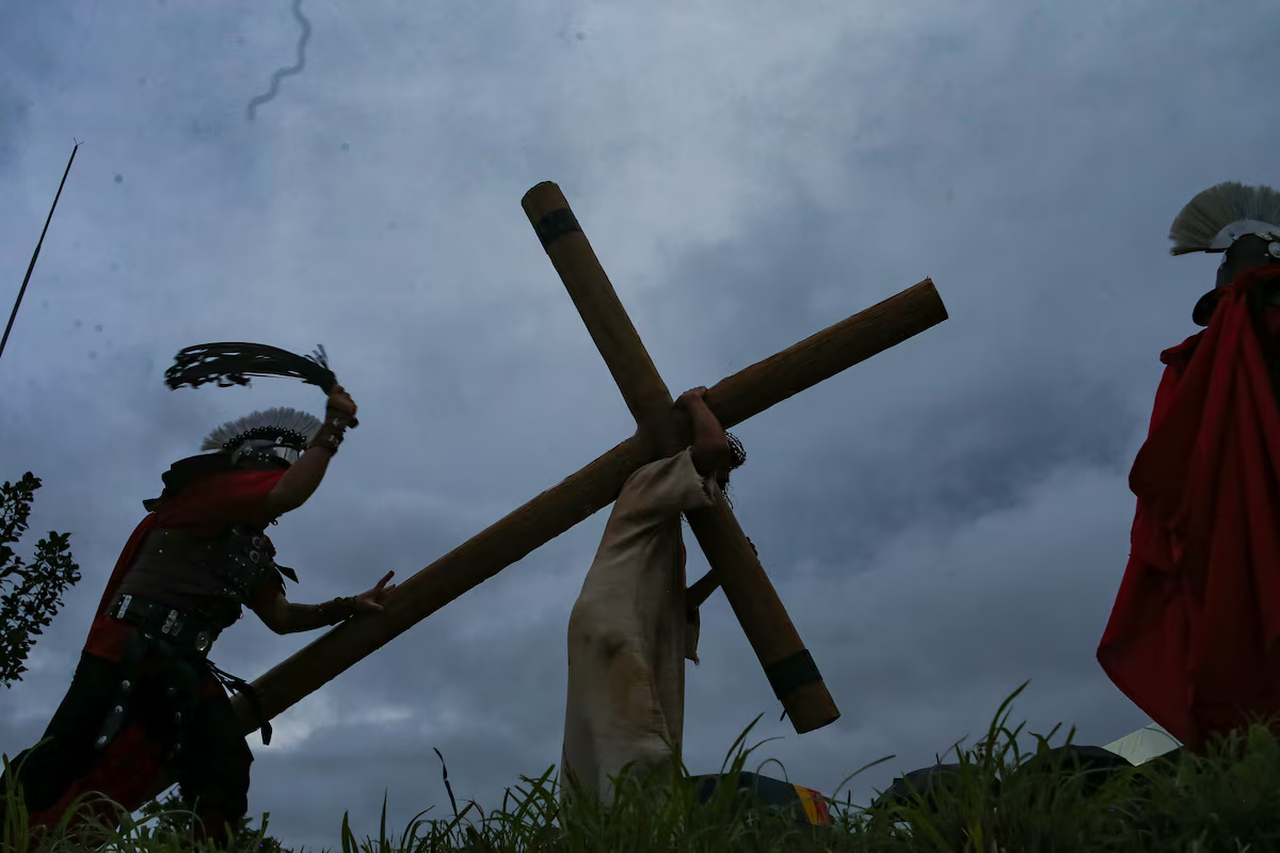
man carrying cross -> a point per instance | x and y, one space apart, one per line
634 622
145 698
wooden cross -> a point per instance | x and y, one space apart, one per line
788 665
660 431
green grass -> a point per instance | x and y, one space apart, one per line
1229 801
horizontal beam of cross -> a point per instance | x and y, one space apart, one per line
734 399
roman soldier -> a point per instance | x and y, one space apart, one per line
145 697
1194 636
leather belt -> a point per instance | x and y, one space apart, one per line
188 633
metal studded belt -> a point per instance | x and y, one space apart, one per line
182 629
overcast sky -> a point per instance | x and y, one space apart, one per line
943 522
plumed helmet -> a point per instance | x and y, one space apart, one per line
1219 216
274 434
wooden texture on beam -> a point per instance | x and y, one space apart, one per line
795 679
734 399
790 669
593 295
818 357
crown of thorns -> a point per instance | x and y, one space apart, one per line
735 447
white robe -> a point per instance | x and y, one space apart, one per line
629 633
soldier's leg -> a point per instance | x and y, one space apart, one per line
46 770
214 775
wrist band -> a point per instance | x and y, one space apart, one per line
327 440
330 435
337 610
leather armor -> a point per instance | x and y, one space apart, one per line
208 577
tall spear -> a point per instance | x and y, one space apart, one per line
31 266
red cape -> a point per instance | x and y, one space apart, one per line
131 769
1192 638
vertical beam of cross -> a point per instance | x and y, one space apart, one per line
788 665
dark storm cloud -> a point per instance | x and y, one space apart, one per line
975 444
27 53
14 110
943 522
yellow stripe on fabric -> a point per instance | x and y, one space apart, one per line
806 800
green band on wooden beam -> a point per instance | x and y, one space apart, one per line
792 673
555 225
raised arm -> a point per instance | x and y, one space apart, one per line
710 449
304 476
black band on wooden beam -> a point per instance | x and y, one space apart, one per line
792 673
555 225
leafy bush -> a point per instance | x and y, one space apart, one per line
35 591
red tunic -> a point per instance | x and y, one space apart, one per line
1192 638
130 769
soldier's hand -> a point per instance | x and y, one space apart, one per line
371 601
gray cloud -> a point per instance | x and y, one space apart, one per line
943 522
